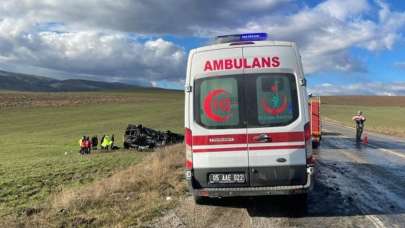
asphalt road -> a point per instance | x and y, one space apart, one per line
357 185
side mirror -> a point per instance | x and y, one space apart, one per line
303 82
188 89
310 95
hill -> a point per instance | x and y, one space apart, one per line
364 100
24 82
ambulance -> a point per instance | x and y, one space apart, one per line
247 125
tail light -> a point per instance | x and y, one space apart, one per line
308 144
307 133
189 152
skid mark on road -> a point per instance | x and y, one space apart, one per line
363 202
375 187
354 157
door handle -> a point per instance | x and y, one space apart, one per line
262 138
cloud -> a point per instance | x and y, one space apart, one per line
372 88
111 56
327 32
142 17
113 39
110 40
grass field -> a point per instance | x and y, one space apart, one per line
45 182
39 135
384 114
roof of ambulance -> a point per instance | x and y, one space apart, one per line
248 44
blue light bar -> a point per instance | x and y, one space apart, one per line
241 37
253 36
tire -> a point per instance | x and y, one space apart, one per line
315 144
301 202
200 200
126 146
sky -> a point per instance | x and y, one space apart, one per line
347 47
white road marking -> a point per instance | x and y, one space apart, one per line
376 221
389 151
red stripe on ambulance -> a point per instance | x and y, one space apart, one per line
199 140
242 149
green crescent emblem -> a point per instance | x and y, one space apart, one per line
275 101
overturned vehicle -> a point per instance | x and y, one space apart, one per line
140 137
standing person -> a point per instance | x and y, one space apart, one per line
82 145
101 142
106 142
112 142
94 142
359 120
88 145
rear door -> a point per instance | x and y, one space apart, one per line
276 147
218 121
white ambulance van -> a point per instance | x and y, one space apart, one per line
247 119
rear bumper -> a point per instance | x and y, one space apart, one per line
257 191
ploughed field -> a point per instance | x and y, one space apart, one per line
384 113
39 135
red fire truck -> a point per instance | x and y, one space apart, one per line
316 130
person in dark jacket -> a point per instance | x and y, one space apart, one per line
112 142
94 142
101 142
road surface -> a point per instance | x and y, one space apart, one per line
356 186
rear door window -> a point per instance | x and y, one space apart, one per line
217 102
238 101
273 100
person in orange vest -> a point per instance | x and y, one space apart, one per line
82 145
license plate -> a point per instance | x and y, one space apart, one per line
227 178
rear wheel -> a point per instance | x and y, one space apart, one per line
300 201
315 144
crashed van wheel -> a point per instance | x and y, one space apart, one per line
126 146
200 200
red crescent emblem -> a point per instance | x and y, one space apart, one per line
223 104
274 111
